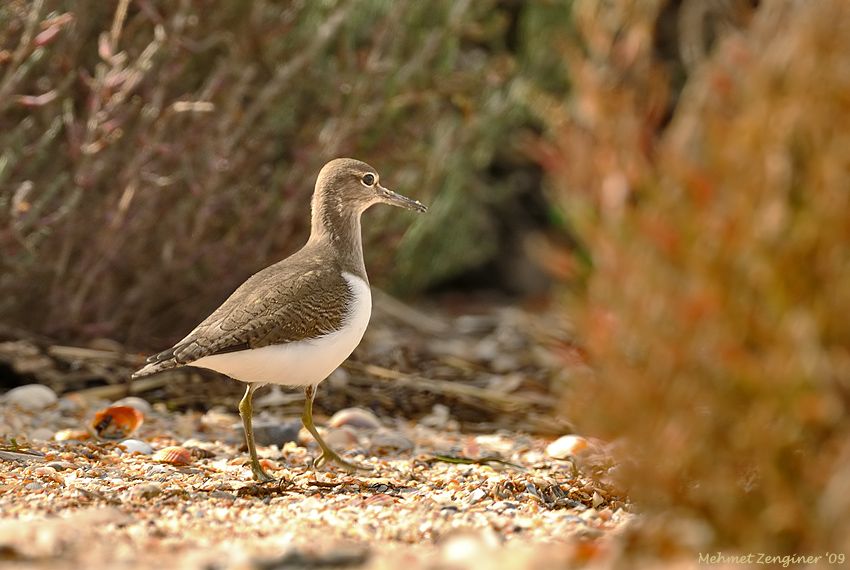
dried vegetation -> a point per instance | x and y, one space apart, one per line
715 309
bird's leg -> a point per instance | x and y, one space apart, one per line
328 454
246 409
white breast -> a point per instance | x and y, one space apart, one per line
304 362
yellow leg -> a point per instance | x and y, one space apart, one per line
246 410
328 454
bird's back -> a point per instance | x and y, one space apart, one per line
302 298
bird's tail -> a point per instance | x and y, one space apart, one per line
157 363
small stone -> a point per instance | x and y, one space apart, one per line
567 446
476 495
388 440
49 473
41 434
504 363
343 437
338 378
136 446
276 433
438 418
71 404
357 418
31 397
469 548
140 404
597 500
145 491
72 435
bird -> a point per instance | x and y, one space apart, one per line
296 321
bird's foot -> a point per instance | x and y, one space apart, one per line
260 475
330 456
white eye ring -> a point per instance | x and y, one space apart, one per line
369 179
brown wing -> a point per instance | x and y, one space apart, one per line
280 304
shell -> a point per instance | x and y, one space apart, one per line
358 418
175 455
117 422
567 446
136 446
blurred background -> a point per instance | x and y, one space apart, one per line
643 205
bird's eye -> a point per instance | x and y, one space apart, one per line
368 179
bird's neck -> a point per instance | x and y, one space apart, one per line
337 226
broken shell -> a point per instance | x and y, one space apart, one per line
117 422
567 446
358 418
174 455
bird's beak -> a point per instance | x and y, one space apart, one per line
390 197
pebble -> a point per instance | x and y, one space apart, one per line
438 418
136 446
465 547
31 397
505 363
71 404
597 499
41 434
566 446
145 491
140 404
358 418
476 495
338 378
50 473
223 495
390 440
343 437
61 465
72 435
268 432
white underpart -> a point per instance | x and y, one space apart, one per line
304 362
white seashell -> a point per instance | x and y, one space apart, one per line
136 446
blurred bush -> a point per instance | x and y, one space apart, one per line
153 154
718 221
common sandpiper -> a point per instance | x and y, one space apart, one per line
296 321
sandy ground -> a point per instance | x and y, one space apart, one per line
179 495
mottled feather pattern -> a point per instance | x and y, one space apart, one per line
277 305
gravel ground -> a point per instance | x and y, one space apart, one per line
177 493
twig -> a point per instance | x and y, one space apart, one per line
507 401
132 387
408 315
80 353
20 456
479 461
